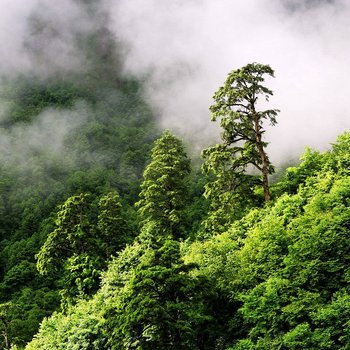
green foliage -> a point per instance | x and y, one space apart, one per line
82 242
162 306
20 320
107 130
150 298
231 187
113 228
286 266
79 329
28 97
274 277
70 235
230 194
163 191
341 153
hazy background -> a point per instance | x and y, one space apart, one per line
183 50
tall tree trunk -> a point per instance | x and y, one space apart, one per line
265 163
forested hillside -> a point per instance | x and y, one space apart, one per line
276 279
64 135
104 151
183 261
118 233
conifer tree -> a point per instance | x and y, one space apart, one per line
163 306
70 235
230 163
236 105
112 226
78 249
163 191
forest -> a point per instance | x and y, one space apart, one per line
115 234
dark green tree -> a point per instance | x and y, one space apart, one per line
230 164
5 314
163 306
163 191
236 105
85 237
113 228
69 236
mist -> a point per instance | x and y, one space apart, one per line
183 51
45 39
187 48
23 144
41 43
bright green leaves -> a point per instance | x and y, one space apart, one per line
79 329
295 282
286 266
341 152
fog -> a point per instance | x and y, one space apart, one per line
187 48
25 144
40 42
183 51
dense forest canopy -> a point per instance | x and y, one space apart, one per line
102 260
276 279
112 237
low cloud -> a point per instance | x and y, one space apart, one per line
45 38
46 135
185 49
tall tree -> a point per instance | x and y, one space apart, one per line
236 105
85 237
163 191
112 226
70 235
163 306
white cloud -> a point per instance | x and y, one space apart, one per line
186 48
47 134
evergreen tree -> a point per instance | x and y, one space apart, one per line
113 228
163 191
242 147
77 250
163 306
69 237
